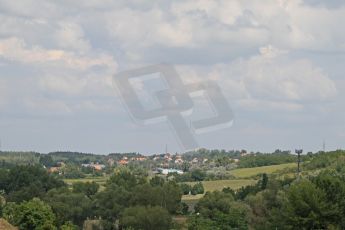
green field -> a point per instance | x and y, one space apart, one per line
220 184
98 180
249 172
241 174
210 186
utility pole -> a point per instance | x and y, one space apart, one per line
324 146
299 152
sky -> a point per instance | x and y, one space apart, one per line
279 64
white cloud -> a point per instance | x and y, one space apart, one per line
277 76
15 49
58 57
71 36
58 73
270 79
43 106
205 25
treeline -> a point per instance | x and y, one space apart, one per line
12 158
34 199
310 161
20 158
251 161
212 154
325 159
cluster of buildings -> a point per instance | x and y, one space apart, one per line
58 168
177 159
166 162
95 166
126 160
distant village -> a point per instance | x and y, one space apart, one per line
159 163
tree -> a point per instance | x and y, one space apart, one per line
185 166
71 171
34 214
219 210
185 188
146 218
198 175
253 189
146 195
69 206
214 202
46 160
69 226
88 188
198 188
184 208
26 182
229 190
263 182
167 196
305 207
171 196
126 179
110 203
157 181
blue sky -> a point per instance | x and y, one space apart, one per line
279 64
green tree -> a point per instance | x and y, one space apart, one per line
69 226
110 203
46 160
185 166
126 179
263 182
88 188
171 196
219 210
198 188
167 196
185 188
26 182
69 206
146 218
157 181
198 175
305 207
146 195
31 215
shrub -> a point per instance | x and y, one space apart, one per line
197 189
185 188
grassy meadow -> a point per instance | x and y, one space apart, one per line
242 179
210 186
249 172
98 180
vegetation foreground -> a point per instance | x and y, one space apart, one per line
131 198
